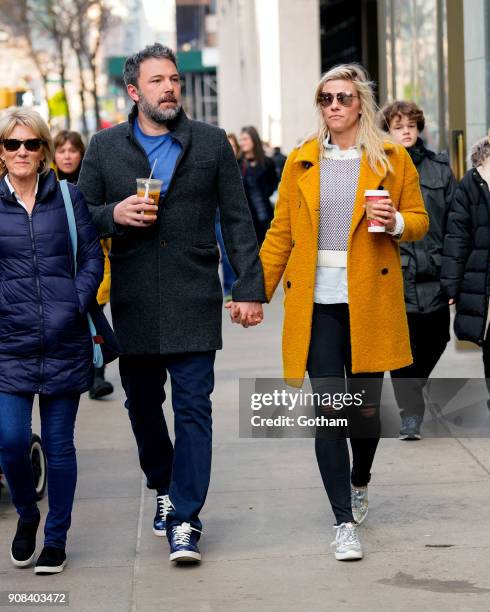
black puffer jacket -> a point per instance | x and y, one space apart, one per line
421 260
465 264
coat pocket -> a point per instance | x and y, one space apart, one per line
205 251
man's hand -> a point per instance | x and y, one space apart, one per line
131 211
246 313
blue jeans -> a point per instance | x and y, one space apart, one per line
58 414
229 276
182 471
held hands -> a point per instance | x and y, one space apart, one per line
131 211
385 213
246 313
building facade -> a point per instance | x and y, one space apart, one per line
268 68
435 52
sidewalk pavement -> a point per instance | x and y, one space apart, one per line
267 520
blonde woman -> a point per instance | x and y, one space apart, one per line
45 344
344 305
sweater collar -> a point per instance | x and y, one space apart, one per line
333 151
309 151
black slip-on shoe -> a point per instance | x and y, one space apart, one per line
23 548
51 561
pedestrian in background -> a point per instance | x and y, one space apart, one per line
233 140
68 155
166 297
344 307
427 305
259 179
466 258
279 160
45 343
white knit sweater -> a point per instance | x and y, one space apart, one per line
339 175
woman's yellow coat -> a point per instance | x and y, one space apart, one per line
104 293
378 322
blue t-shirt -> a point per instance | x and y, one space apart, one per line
164 148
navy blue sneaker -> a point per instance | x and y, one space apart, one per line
183 544
164 505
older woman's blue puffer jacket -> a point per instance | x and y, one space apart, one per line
45 344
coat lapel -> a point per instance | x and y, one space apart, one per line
180 129
309 180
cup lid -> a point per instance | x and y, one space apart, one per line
376 192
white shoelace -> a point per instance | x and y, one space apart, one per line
182 533
164 505
346 535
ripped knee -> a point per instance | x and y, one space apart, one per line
328 410
368 411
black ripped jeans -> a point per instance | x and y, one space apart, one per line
329 362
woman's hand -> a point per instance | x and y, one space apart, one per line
385 213
247 314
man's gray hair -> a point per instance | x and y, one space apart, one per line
480 151
131 71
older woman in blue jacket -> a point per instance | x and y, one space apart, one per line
45 343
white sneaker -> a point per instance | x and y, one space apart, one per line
359 500
347 544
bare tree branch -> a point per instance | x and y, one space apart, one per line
75 26
17 16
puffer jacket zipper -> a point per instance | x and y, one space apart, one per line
486 197
38 289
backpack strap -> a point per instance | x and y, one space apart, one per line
98 359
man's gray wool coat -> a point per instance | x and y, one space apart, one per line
166 295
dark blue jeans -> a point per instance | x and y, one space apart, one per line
58 414
184 470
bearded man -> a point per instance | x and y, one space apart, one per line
166 298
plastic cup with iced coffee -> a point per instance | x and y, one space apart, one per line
149 188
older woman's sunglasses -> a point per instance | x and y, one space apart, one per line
326 99
31 144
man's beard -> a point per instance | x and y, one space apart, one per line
155 113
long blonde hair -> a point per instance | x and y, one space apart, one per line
33 120
370 137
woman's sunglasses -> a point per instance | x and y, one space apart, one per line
31 144
345 99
